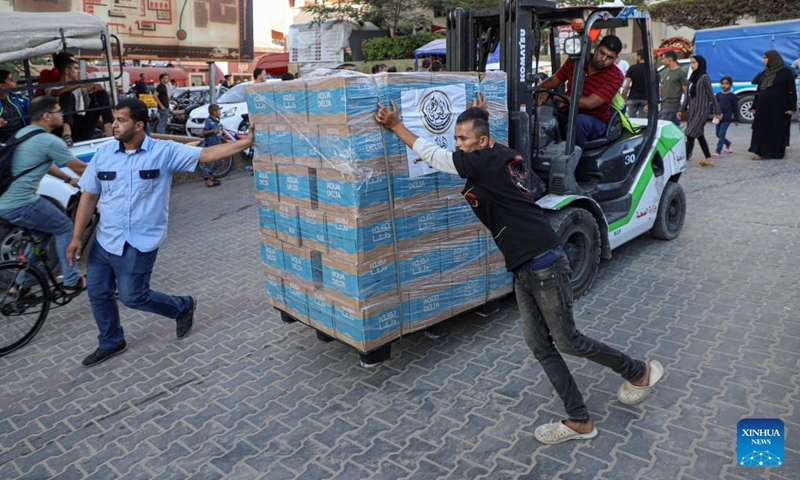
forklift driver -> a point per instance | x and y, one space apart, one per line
602 81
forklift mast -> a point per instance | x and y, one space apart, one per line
514 26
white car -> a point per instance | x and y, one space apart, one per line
233 105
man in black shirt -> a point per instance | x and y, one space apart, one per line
162 99
497 191
140 86
635 90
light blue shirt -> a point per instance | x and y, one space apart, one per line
134 191
29 154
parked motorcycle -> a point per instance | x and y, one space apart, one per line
181 105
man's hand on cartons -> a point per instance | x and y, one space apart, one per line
251 134
480 102
389 118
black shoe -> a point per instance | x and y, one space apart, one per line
100 355
184 323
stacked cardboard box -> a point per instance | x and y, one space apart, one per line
493 87
351 242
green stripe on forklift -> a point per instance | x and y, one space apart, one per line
670 136
638 191
564 202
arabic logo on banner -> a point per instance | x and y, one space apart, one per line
436 112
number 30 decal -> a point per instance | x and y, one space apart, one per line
629 159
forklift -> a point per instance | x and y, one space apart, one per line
617 187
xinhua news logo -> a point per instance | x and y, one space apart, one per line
759 442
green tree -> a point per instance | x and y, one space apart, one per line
394 14
445 4
391 14
700 14
334 11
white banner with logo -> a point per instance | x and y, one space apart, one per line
431 114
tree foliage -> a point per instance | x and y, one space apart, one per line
334 11
445 4
395 15
391 14
384 48
701 14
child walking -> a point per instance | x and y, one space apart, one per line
729 106
211 131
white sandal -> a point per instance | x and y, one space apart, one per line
556 432
630 394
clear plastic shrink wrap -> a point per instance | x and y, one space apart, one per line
355 241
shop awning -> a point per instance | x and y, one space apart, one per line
274 62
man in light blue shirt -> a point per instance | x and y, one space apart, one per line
20 205
131 180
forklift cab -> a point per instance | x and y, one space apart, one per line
525 29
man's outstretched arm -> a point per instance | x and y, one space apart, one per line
225 150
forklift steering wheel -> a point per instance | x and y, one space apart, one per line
552 93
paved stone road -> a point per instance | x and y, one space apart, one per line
246 396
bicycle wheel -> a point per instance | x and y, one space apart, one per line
225 168
24 304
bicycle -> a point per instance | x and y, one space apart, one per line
26 293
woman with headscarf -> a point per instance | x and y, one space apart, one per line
773 107
696 107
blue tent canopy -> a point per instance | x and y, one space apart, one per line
436 47
439 47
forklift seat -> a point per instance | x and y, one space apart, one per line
613 132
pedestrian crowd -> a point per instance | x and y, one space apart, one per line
689 97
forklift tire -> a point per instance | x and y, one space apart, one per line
671 213
580 236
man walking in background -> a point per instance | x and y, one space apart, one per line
673 86
635 90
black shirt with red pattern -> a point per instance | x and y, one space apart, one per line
497 191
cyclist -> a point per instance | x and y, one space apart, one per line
21 206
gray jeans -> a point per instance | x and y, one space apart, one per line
669 113
545 306
636 108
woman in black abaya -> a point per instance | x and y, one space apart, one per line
773 107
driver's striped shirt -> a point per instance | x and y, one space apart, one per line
605 83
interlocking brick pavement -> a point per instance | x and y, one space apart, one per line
246 396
